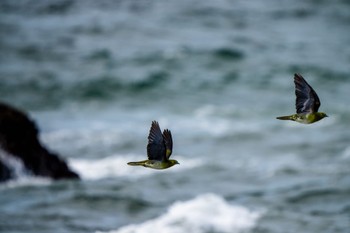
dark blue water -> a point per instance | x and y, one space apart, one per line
94 74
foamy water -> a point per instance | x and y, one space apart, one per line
205 213
14 164
26 181
21 175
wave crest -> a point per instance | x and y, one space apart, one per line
205 213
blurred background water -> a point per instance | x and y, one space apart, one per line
94 74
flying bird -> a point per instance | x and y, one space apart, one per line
307 103
159 149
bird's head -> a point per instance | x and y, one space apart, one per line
322 115
173 162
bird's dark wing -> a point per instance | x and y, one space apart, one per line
156 147
307 100
168 140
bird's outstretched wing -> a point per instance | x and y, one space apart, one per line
307 100
168 141
156 147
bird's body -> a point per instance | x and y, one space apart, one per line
159 149
307 103
155 164
307 118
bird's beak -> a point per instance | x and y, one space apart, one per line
326 115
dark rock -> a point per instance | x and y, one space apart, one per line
19 139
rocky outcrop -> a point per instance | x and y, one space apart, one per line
19 141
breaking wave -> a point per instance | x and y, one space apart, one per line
205 213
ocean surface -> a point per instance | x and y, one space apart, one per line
94 74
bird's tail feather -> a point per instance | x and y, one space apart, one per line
140 163
284 118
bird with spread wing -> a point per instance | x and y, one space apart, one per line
159 149
307 103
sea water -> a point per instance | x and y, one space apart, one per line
94 74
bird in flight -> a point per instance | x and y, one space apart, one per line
307 103
159 149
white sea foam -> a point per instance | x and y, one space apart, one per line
205 213
21 175
116 166
14 164
24 181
